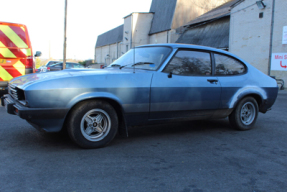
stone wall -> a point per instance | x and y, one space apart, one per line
280 20
250 36
107 54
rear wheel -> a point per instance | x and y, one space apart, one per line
245 114
93 124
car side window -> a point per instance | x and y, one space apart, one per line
225 65
78 66
192 63
69 65
57 65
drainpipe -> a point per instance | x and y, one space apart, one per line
271 37
117 49
167 36
109 54
95 54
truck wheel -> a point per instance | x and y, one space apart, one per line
245 114
93 124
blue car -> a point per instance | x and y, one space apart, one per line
148 84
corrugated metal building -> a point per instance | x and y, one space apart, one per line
157 26
253 30
108 47
210 29
110 37
163 14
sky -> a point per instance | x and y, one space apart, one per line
86 20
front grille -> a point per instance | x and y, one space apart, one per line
15 92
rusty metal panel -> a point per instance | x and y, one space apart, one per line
213 34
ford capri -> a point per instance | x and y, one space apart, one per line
148 84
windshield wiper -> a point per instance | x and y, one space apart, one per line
138 63
115 65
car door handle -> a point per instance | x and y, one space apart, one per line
212 80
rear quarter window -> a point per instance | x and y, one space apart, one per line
225 65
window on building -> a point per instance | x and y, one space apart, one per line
127 48
225 65
193 63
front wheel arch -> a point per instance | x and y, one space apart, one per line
92 124
123 131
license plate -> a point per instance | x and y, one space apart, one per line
3 61
43 70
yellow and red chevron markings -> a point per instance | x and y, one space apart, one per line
10 70
13 51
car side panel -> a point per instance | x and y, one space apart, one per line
183 96
130 90
234 88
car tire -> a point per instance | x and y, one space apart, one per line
92 124
245 114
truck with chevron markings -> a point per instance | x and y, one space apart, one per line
16 57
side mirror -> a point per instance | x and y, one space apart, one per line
169 75
38 54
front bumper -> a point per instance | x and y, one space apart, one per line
48 119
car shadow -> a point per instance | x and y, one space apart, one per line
192 127
60 141
40 140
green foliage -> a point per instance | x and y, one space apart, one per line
82 62
86 62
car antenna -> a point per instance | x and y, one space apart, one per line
134 59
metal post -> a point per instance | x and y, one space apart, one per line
49 49
65 36
271 38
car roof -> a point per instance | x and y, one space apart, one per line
191 46
181 45
62 63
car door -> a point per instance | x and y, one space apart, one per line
56 67
232 76
185 88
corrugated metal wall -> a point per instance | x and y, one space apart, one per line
213 34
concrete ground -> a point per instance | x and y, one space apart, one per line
187 157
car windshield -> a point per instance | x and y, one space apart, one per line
76 65
51 63
57 65
149 58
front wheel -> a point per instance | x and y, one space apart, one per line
245 114
93 124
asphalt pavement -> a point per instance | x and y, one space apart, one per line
195 156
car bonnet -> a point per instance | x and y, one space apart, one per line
30 79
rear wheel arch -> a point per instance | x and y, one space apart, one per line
257 97
245 113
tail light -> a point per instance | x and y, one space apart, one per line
48 68
29 62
